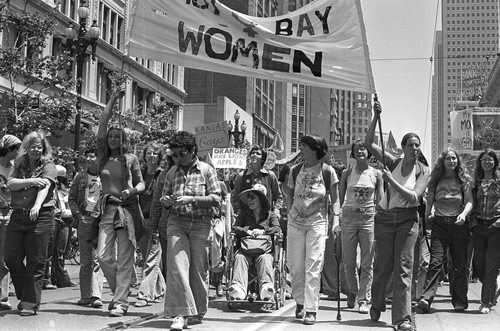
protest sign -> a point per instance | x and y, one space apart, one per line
235 158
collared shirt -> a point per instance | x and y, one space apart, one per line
248 179
269 222
488 200
25 198
199 180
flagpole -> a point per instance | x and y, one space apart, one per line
375 99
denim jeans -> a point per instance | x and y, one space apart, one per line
153 284
90 275
305 255
263 264
60 276
358 228
486 260
28 240
188 246
421 260
115 253
4 271
396 232
446 234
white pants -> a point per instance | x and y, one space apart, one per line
305 255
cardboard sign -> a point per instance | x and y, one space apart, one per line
210 136
235 158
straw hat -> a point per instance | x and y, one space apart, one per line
260 191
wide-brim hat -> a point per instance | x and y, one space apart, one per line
260 191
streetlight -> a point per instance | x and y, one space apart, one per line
238 136
78 42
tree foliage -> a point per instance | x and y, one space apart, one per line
38 93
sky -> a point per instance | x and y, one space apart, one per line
403 29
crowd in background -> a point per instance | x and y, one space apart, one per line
360 231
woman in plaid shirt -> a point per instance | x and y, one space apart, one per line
485 223
191 190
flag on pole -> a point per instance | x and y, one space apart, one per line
320 44
392 146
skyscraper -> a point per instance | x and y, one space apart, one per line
465 52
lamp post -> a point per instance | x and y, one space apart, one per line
78 42
238 135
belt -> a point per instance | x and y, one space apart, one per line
27 211
446 219
486 222
360 209
195 217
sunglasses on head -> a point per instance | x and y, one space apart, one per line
180 154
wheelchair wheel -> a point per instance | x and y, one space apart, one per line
279 277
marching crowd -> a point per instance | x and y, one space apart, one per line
164 205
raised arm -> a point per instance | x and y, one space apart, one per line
118 93
370 144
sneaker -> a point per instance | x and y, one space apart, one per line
351 300
484 310
374 314
236 294
84 302
4 305
179 323
310 318
267 293
49 287
423 305
28 312
71 284
363 308
96 303
111 305
459 308
117 312
141 303
404 326
299 311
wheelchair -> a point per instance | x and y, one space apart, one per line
279 264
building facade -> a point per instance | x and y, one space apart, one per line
465 53
147 81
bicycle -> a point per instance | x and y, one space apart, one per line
73 248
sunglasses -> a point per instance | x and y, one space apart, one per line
180 154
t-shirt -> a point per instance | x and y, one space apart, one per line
94 187
448 198
310 200
4 191
360 191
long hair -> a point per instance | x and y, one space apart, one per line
479 173
101 161
22 161
461 175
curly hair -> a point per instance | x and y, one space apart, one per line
479 173
155 146
184 139
437 173
22 161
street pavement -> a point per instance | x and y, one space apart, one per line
60 312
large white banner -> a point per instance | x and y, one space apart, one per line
321 44
462 131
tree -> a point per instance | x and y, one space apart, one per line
38 92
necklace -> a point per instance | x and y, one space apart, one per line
114 158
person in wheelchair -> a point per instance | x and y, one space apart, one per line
254 228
